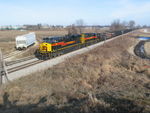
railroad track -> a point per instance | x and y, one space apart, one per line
16 68
11 54
19 60
140 51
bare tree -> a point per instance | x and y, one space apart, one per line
144 26
39 26
79 25
138 26
124 24
72 29
131 24
79 22
96 28
117 25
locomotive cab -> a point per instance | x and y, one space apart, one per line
46 46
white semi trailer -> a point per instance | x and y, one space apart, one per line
24 41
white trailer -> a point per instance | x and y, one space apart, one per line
145 30
24 41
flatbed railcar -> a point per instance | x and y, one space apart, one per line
58 45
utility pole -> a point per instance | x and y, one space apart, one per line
3 70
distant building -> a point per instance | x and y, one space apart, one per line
15 27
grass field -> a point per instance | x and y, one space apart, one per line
107 79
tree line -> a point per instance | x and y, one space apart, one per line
118 25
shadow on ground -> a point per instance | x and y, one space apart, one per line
74 106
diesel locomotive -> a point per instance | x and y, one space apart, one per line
58 45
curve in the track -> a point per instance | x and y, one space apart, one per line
139 50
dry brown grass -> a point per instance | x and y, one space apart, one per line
106 79
7 49
6 36
101 80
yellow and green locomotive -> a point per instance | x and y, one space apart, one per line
57 45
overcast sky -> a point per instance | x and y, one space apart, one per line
64 12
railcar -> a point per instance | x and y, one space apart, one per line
58 45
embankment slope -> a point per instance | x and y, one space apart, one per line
106 79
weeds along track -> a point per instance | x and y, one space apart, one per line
139 50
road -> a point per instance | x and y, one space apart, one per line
139 50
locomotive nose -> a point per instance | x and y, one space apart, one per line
45 47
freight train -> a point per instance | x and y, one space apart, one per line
58 45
